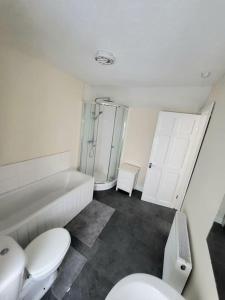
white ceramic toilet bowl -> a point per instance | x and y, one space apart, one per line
44 255
41 259
143 286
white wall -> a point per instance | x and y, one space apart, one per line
203 199
175 98
141 123
221 213
40 109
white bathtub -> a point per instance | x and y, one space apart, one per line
47 203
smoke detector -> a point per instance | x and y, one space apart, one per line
105 57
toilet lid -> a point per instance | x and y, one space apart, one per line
46 251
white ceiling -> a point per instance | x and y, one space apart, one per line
156 42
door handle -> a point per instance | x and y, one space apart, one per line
150 165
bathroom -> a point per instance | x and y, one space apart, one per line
112 141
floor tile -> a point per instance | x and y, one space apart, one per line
114 264
84 249
134 206
49 296
118 235
69 270
216 244
123 237
90 285
90 222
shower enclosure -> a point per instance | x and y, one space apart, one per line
103 125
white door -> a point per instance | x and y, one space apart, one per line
175 148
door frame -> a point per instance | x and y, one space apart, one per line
192 155
203 125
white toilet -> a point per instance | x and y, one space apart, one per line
144 287
28 274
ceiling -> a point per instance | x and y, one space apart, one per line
156 42
188 99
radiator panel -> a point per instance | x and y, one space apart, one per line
177 264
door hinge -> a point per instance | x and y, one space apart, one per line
150 165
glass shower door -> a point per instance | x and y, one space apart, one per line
101 143
104 143
89 138
117 142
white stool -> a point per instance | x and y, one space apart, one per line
127 177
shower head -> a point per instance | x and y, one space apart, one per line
103 100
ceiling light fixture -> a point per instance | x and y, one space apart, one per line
205 75
104 57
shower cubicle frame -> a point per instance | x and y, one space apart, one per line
107 184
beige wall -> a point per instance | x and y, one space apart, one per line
140 130
40 109
203 199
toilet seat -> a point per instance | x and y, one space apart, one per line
46 252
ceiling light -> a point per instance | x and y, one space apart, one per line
105 57
205 75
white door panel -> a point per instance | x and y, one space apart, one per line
166 125
173 148
167 188
185 126
160 149
177 152
153 177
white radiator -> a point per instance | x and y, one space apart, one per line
177 256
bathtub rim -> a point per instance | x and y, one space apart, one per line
9 229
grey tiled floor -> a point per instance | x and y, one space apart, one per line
216 244
90 222
132 241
